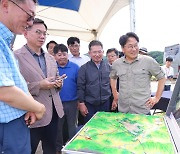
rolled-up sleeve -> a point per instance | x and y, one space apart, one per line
156 70
113 74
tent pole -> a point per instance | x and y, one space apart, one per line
132 15
94 32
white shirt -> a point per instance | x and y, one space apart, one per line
168 72
81 60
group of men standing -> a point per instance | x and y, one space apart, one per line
63 83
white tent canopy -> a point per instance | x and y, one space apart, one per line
86 23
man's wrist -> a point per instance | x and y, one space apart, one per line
157 99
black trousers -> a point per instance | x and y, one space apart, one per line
47 135
167 87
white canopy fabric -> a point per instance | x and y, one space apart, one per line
86 21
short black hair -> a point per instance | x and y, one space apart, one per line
121 54
38 21
123 39
60 47
72 40
93 43
47 45
169 59
111 50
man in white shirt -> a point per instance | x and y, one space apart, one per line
169 73
79 59
75 56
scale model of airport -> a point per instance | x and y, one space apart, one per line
120 133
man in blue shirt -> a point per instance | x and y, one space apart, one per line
17 107
68 92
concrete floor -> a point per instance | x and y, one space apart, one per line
39 149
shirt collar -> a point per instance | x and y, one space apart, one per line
125 61
6 34
98 65
32 52
67 65
80 56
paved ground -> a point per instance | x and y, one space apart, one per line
39 149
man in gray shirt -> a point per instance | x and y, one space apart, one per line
134 72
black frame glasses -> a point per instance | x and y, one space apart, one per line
31 17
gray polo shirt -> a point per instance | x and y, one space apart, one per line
134 82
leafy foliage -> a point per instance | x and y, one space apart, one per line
157 55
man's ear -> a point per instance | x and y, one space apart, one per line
4 5
25 33
122 49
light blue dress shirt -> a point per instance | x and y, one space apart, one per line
9 75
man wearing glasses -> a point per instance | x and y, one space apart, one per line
40 71
134 72
17 107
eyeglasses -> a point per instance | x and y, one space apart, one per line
74 45
39 32
31 17
136 46
97 52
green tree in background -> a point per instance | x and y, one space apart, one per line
157 55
